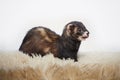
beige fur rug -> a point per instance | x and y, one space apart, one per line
91 66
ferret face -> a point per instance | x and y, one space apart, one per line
77 31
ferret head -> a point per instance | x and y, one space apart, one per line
76 30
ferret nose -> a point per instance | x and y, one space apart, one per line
86 34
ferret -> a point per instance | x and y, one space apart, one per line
41 41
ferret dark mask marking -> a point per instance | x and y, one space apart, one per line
42 41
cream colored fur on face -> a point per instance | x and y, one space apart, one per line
91 66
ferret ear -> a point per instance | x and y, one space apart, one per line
69 28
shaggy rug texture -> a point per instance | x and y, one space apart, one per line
90 66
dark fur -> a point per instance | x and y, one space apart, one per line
40 40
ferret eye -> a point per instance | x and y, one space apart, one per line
78 33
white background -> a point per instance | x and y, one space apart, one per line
101 17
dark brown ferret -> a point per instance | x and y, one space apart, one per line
41 40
